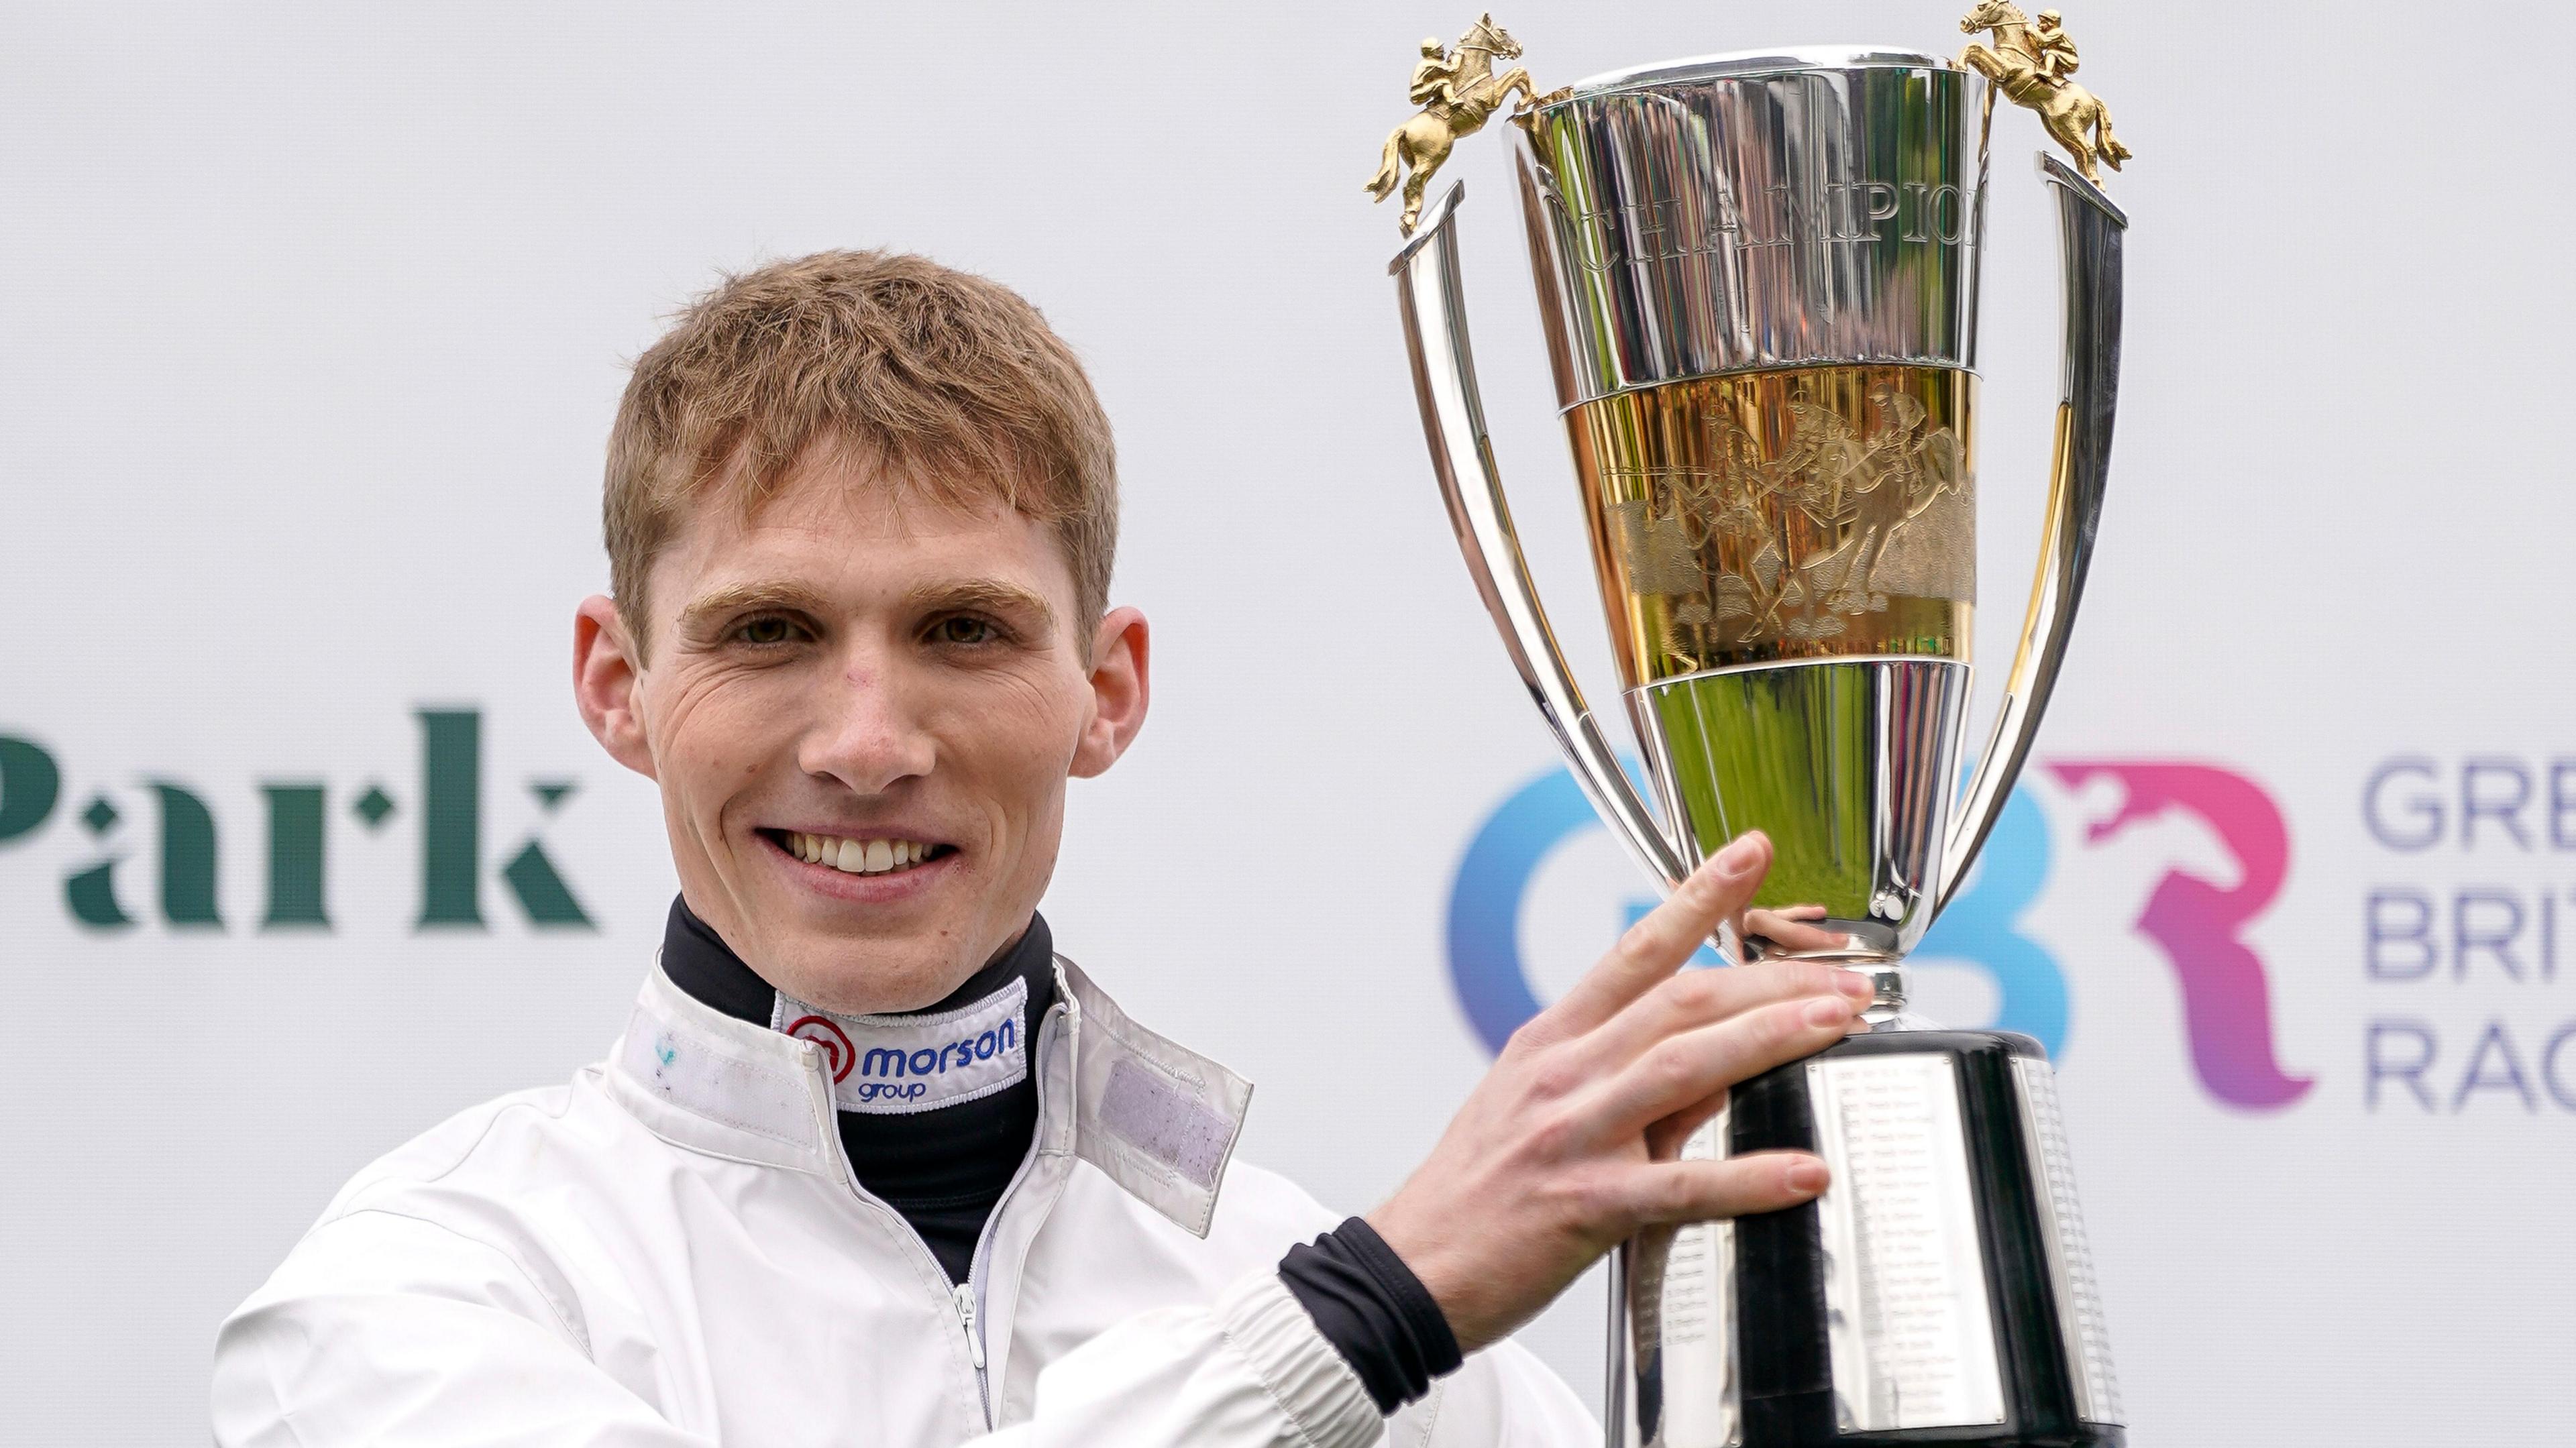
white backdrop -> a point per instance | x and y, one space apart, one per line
312 320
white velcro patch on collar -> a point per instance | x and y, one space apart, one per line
895 1065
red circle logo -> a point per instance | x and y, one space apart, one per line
822 1032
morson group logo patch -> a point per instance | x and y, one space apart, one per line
2197 924
895 1065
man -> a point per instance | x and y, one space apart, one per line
870 1164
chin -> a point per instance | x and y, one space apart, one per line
874 975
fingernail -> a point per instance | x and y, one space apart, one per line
1826 1011
1851 983
1738 858
1807 1177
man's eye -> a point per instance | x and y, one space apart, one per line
770 629
964 629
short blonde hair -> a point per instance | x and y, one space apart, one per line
952 382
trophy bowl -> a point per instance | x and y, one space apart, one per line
1758 275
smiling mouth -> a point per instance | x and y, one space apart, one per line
858 857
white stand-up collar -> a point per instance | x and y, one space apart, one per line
1158 1119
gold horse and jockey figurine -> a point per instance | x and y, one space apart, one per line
2030 62
1458 91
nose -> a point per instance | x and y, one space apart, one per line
867 732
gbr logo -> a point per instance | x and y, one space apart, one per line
2197 924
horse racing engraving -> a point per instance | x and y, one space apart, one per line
1751 518
2030 63
1458 93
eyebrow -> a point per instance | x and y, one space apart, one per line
736 598
997 595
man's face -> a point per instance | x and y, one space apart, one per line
862 714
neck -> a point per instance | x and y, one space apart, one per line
701 962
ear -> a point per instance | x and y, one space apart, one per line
606 673
1121 685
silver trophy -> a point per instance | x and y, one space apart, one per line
1759 278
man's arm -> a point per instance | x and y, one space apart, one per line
384 1329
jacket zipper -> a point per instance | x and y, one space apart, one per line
965 1295
965 1298
970 1292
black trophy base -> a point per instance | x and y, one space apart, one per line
1786 1377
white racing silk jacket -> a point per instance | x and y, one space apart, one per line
671 1250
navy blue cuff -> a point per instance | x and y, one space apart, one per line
1374 1311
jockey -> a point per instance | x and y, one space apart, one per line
2056 60
1435 79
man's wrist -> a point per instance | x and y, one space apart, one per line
1374 1311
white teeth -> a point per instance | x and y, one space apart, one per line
857 857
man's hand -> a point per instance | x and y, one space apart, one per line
1570 1143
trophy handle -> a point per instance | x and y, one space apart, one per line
1429 287
2089 233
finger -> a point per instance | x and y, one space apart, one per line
1667 1139
1702 1191
1788 929
1695 998
1656 946
1695 1064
